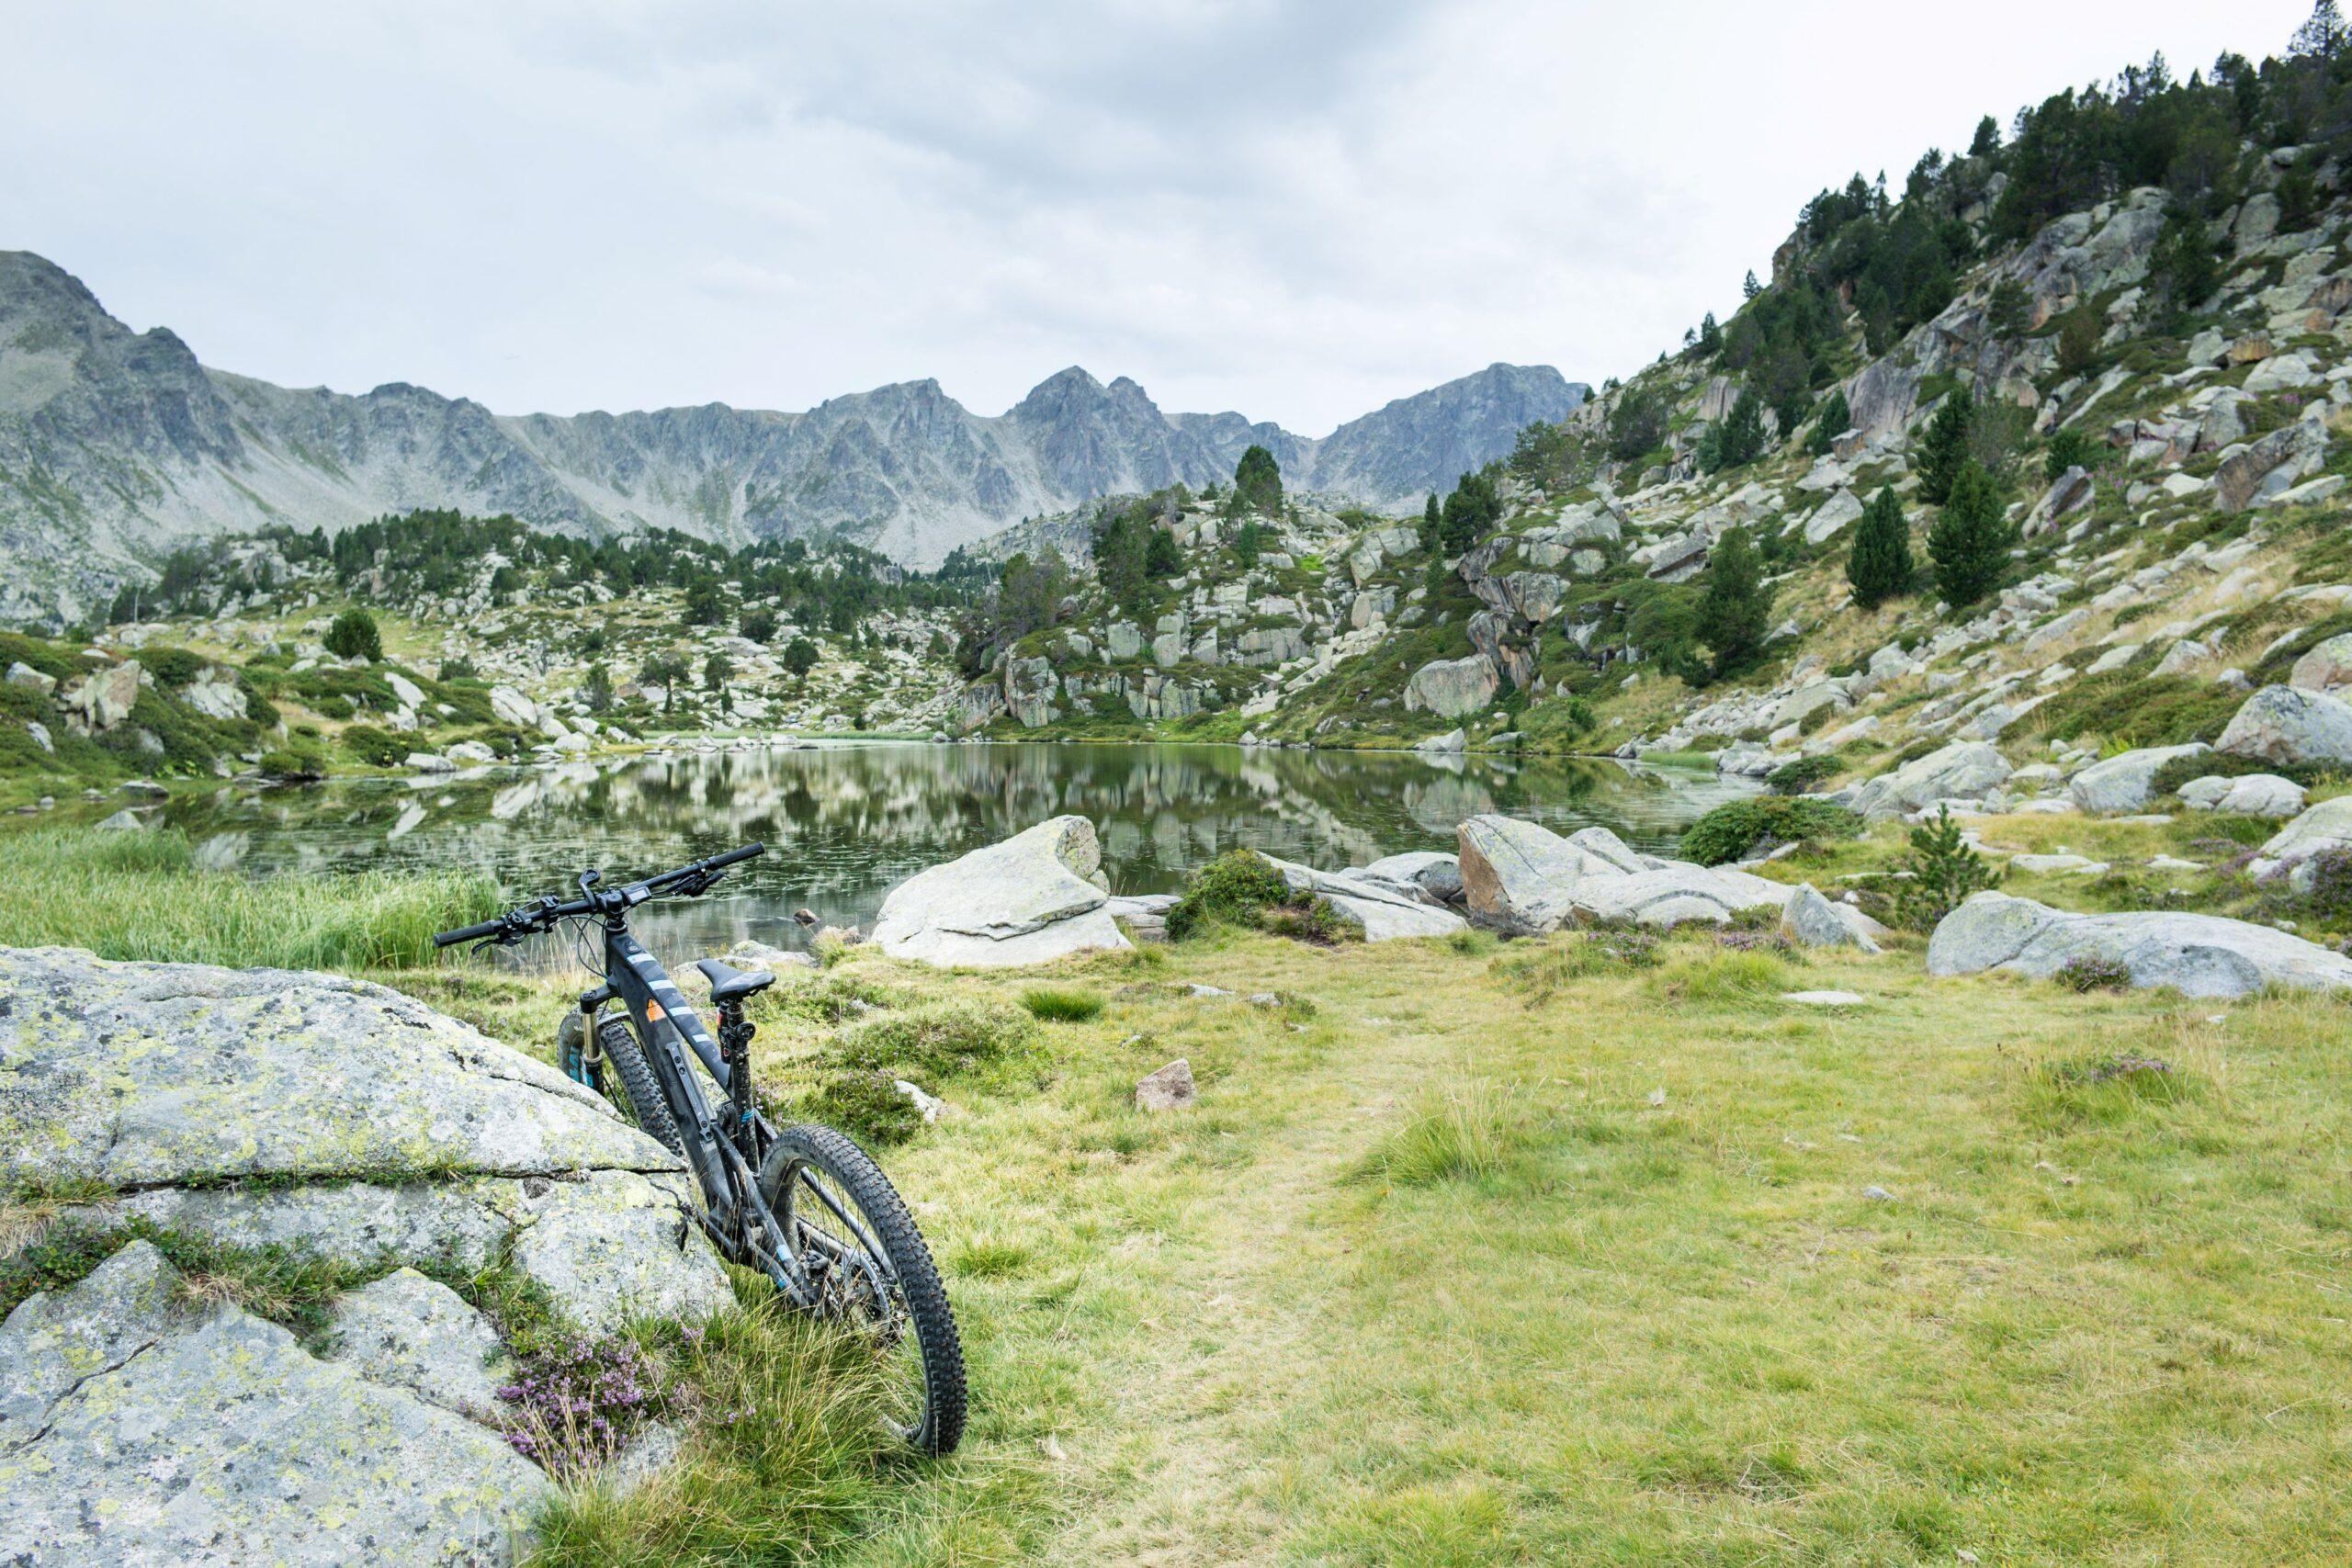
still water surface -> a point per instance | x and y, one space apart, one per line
846 822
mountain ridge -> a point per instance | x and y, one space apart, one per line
116 447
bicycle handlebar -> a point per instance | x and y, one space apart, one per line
516 923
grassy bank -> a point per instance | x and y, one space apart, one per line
142 895
1552 1251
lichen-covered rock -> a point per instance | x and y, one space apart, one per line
1037 896
1451 688
1516 876
2328 667
2324 827
207 1436
1811 921
2122 781
414 1333
2286 725
2199 956
2248 795
139 1075
1961 771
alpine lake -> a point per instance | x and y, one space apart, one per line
845 822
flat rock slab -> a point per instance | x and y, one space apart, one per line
1036 897
2199 956
211 1436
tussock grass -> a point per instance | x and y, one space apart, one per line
1723 977
1061 1004
1474 1130
142 895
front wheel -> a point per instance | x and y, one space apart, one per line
870 1268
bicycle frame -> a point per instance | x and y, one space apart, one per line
724 1157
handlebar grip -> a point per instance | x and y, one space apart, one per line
469 934
749 852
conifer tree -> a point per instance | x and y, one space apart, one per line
1970 543
1830 423
1734 614
1432 528
1741 439
1880 567
1945 446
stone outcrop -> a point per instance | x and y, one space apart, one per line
1381 910
337 1118
1453 688
1811 921
2286 725
2199 956
1961 771
2323 829
2122 783
134 1429
1519 877
1038 896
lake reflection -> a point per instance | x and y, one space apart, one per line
846 822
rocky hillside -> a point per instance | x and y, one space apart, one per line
115 446
2102 440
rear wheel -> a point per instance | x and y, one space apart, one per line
852 1233
629 1083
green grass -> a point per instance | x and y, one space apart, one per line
141 896
1559 1252
1060 1004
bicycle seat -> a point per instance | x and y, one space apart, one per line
729 985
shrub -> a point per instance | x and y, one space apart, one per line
576 1402
1236 888
376 748
868 1105
354 636
2330 897
300 761
1736 826
2168 778
1797 777
1944 872
1054 1004
2089 972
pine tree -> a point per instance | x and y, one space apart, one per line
1880 567
1970 543
2322 36
1749 288
1432 528
1470 512
1257 480
354 636
1735 612
1987 140
1830 423
1945 446
1741 439
1710 336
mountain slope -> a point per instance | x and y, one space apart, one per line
115 446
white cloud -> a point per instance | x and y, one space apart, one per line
1298 210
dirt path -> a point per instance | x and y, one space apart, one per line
1185 1478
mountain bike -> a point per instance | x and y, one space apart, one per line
802 1204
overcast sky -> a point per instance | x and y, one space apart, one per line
1295 210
